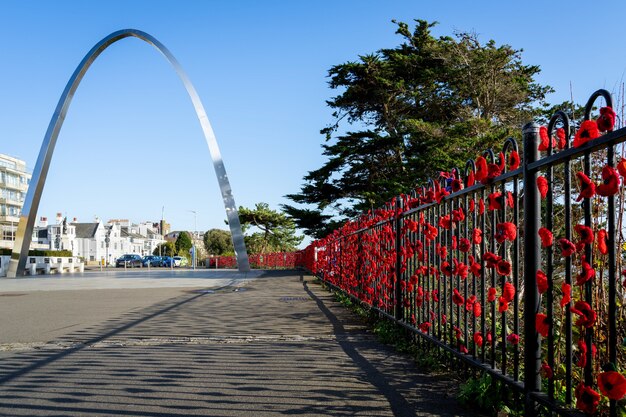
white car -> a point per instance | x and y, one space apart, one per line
179 261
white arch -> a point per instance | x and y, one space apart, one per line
33 196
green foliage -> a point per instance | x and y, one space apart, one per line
218 242
486 394
274 231
51 253
183 244
56 253
403 114
164 249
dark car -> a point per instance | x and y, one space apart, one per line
130 261
166 261
151 260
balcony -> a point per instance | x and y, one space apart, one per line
7 218
20 186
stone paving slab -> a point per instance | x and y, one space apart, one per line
277 346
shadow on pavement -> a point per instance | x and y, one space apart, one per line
281 347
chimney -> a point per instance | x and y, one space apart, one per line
43 222
75 220
59 218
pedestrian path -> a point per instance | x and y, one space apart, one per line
278 345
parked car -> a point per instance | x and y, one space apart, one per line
180 261
151 260
166 261
129 260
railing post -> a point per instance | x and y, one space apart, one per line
532 262
399 313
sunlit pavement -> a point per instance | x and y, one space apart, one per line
110 278
274 344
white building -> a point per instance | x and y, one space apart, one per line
97 242
14 182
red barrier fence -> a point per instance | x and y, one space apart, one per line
278 260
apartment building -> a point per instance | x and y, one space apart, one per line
14 180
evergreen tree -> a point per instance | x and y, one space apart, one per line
405 113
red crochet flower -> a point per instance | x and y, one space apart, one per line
588 131
475 268
587 274
458 215
505 231
491 259
460 269
567 247
508 291
491 295
587 399
587 317
503 268
445 222
544 142
581 357
542 185
478 339
446 268
513 338
513 161
543 139
560 135
542 324
477 309
546 237
411 225
481 206
464 244
480 173
606 120
431 232
496 201
602 239
587 187
457 298
610 186
503 305
477 236
457 185
470 180
546 370
612 384
621 167
424 327
566 289
542 281
494 170
585 233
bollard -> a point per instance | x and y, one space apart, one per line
48 269
60 267
81 267
32 269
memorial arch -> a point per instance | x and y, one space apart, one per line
33 196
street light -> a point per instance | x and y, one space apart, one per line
193 238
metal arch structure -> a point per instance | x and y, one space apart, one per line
33 196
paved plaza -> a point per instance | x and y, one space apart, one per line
198 343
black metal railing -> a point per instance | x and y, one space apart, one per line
510 264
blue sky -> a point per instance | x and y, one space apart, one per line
131 143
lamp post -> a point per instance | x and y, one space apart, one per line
193 238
